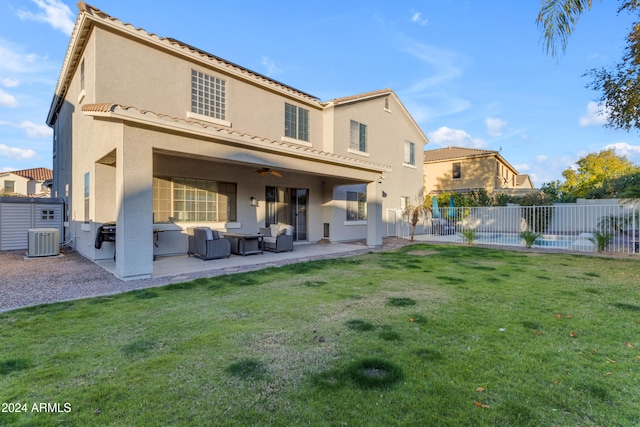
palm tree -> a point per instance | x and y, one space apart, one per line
415 212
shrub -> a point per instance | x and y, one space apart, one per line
469 235
529 237
601 239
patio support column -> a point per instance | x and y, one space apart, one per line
134 224
374 214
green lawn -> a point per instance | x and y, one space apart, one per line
426 335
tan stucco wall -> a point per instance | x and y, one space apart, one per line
387 131
148 78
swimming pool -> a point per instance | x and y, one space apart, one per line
580 242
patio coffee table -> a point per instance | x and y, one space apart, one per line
245 244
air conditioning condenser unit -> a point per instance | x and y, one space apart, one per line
44 242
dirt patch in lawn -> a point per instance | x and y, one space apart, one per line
422 253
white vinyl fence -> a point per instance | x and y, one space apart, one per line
587 227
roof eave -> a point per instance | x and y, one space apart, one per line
116 111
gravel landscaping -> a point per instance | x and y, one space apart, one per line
27 281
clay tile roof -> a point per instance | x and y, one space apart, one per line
361 96
450 153
133 113
36 174
104 107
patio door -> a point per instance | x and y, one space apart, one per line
288 206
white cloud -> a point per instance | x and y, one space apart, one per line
33 130
433 96
8 82
447 137
596 115
16 62
631 152
495 126
53 12
271 67
7 99
16 153
522 167
418 19
36 131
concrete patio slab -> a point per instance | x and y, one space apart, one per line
183 265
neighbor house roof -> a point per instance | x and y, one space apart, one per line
523 179
452 153
459 153
35 174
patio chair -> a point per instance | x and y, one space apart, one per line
442 227
207 243
278 238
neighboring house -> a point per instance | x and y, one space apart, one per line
26 182
155 134
458 169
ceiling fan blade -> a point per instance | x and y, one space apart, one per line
276 173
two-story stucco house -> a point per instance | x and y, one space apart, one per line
26 182
153 133
459 169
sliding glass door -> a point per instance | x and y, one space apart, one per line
288 206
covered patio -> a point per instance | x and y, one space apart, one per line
147 156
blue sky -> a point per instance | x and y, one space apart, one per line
472 73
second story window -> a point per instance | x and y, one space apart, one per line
456 171
208 95
296 122
409 153
358 135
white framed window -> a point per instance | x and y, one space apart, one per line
296 122
193 200
409 153
356 206
358 137
208 95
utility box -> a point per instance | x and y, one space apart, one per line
44 242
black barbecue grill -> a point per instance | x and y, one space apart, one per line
107 233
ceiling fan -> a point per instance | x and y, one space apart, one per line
265 171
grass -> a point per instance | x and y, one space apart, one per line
427 335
